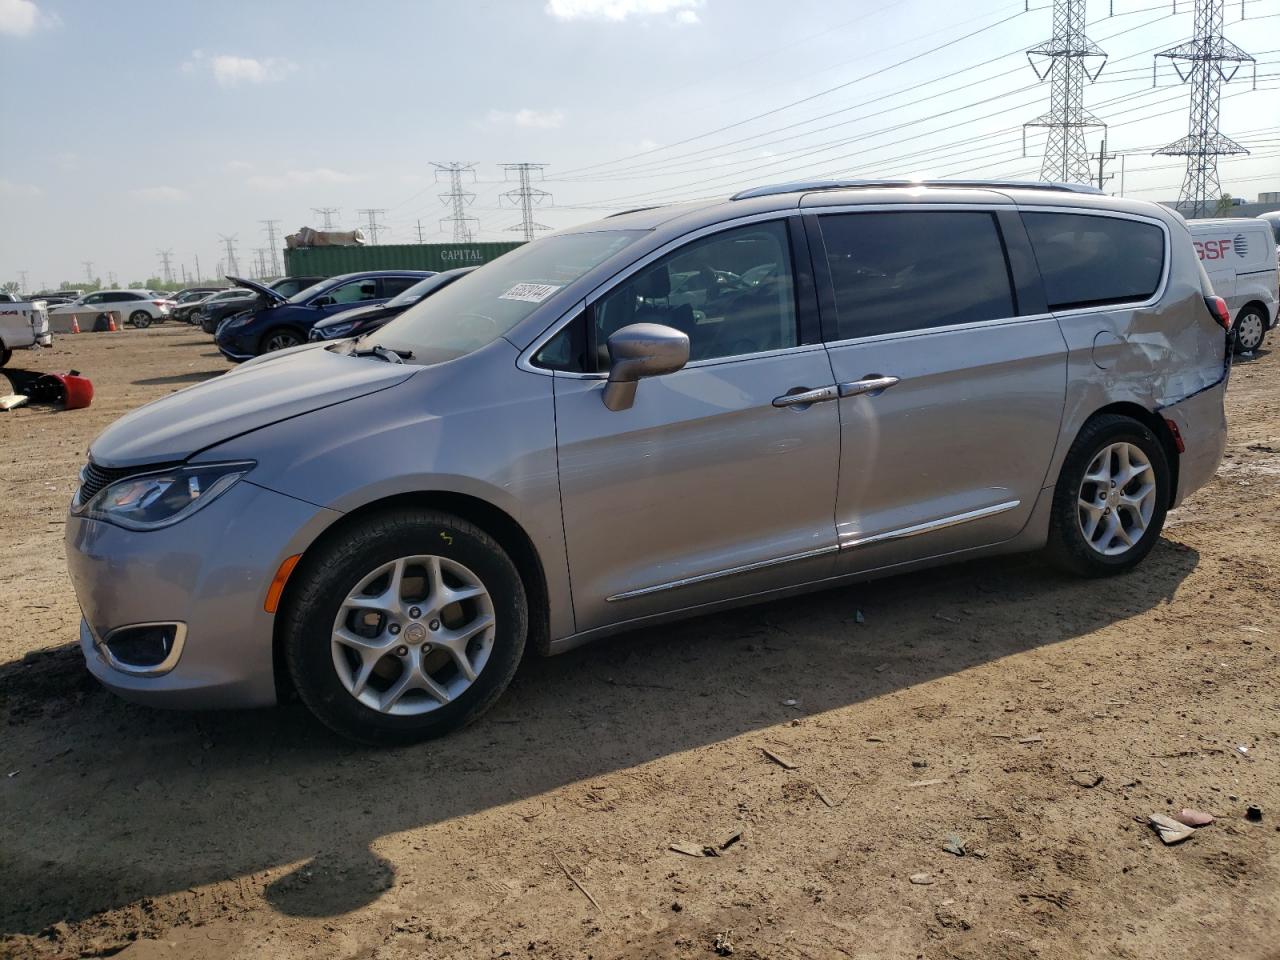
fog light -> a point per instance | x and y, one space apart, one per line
145 649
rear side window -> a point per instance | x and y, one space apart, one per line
1088 260
914 270
391 286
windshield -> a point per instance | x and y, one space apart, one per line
482 306
408 298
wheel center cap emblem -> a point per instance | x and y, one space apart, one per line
415 633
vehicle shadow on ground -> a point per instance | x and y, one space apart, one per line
122 787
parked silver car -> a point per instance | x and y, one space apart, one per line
664 413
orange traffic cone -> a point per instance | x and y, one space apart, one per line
111 323
75 325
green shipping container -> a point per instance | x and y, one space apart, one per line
331 261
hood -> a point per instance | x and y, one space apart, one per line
181 424
357 313
271 295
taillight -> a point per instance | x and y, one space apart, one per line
1218 307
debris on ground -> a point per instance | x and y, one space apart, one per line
790 703
921 879
1087 778
943 617
1253 814
780 760
585 892
13 401
1170 830
926 783
730 840
1032 739
688 849
954 844
919 764
1193 818
723 946
858 617
882 668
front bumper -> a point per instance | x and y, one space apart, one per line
234 346
209 572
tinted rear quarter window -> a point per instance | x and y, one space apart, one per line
1092 260
913 270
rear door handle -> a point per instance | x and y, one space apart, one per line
800 397
870 385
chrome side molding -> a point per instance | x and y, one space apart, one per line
728 572
931 525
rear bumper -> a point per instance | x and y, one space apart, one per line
1202 423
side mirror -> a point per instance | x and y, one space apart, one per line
641 350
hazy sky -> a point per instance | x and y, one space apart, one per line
131 127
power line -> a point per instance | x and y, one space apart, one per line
1204 54
458 199
527 196
270 227
230 264
372 213
328 213
1067 53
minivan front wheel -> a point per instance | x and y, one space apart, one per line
1111 498
406 626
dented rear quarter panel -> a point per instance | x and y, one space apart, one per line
1155 354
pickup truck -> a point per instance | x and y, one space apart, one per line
23 323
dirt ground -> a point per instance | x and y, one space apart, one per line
979 701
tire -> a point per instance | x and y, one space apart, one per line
140 319
335 572
208 324
1249 330
281 338
1105 554
5 355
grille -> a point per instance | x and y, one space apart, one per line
93 478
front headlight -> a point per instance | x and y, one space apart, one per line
340 330
154 500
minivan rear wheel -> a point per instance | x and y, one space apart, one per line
140 319
1250 329
1111 498
406 626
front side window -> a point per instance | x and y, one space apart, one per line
92 299
1090 260
355 291
733 293
913 270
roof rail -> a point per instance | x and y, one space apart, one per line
809 186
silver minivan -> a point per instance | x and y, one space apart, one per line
664 413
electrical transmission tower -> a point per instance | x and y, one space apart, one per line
166 270
458 199
88 269
372 213
261 254
328 214
1064 59
230 263
526 195
270 228
1205 59
22 280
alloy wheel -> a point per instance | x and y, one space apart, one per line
413 635
1116 499
281 341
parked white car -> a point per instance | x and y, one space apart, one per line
1239 255
138 307
23 323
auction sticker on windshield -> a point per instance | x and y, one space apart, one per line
530 292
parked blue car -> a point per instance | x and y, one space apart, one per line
283 323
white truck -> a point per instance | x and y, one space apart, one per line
1239 255
23 323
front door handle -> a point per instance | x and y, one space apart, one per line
868 385
801 397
